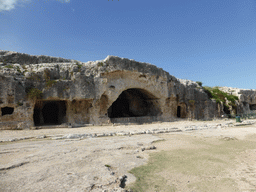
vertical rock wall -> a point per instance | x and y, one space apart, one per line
75 93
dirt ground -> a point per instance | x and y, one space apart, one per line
212 159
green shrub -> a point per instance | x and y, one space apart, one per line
19 103
47 75
79 65
199 83
18 69
34 94
8 66
35 77
100 64
24 66
50 83
66 88
218 95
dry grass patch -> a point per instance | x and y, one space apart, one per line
201 165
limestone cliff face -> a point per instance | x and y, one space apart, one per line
111 90
247 99
22 58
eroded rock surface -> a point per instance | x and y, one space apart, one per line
69 93
93 164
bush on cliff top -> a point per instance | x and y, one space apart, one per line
199 83
218 95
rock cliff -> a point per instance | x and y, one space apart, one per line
43 90
247 99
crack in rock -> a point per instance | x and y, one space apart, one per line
13 166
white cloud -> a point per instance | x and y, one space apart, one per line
6 5
64 1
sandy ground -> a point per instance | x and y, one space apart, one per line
101 163
237 168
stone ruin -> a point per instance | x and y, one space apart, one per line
48 91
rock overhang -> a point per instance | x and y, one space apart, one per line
89 89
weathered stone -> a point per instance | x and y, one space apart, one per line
121 134
41 137
23 125
43 90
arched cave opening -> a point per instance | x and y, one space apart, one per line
49 113
7 110
134 103
226 109
178 111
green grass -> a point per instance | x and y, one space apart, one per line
209 160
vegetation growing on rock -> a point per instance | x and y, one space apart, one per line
100 64
119 82
192 102
228 100
19 104
199 83
50 83
47 75
218 95
34 94
8 66
34 77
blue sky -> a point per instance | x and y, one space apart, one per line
209 41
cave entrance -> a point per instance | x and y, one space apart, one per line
252 107
49 113
178 111
36 116
134 103
7 110
226 109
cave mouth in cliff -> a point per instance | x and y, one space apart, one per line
178 111
7 110
226 109
49 113
252 107
134 103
